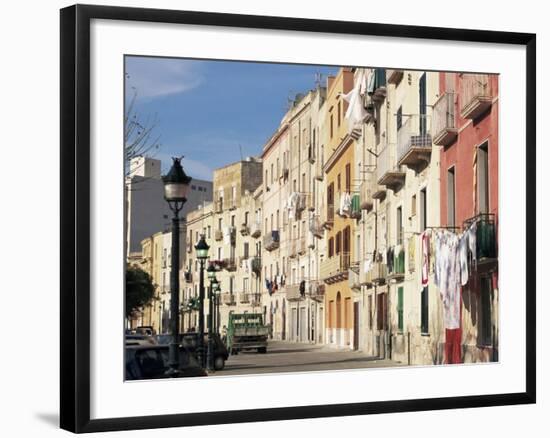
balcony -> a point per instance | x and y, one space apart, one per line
377 273
486 240
316 227
228 299
244 298
394 76
329 216
335 268
310 201
255 229
271 241
188 277
255 299
444 128
244 230
293 292
475 95
293 249
317 290
387 172
256 265
398 271
219 206
230 264
414 142
301 246
285 172
379 85
353 279
218 235
367 201
311 154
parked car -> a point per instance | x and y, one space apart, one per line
147 330
151 362
190 340
140 340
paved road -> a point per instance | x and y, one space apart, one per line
292 357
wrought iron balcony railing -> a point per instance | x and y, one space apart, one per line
414 142
444 126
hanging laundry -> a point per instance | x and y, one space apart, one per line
370 83
412 255
463 258
367 264
356 112
390 260
425 238
448 276
345 204
472 241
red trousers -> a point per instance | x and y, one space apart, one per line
453 341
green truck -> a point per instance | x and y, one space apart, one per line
246 331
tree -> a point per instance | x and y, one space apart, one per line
140 289
139 137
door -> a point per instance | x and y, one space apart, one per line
422 102
356 325
303 325
293 324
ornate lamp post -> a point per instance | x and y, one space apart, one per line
213 285
201 249
176 184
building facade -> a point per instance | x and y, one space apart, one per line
231 228
146 210
467 131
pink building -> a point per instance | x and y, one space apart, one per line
466 126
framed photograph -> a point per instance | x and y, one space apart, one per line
269 218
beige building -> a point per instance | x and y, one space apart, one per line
292 243
156 259
399 187
231 226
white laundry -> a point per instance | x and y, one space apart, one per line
425 238
356 112
463 258
367 266
472 233
448 276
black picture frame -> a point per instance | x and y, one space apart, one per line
75 217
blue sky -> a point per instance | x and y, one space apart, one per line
206 109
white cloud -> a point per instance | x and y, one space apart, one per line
155 77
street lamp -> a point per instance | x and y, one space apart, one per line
176 184
218 290
201 249
213 284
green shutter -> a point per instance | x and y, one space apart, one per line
400 308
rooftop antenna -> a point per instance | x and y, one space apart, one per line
318 79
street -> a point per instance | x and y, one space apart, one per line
294 357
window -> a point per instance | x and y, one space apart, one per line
272 176
399 226
277 219
209 231
381 312
486 330
331 247
370 312
422 104
220 224
220 253
424 318
451 197
339 110
483 179
348 177
423 210
400 308
338 242
399 118
304 182
246 218
231 284
331 126
232 220
338 183
266 180
413 205
246 250
278 169
245 285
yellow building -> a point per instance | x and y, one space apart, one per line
340 176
